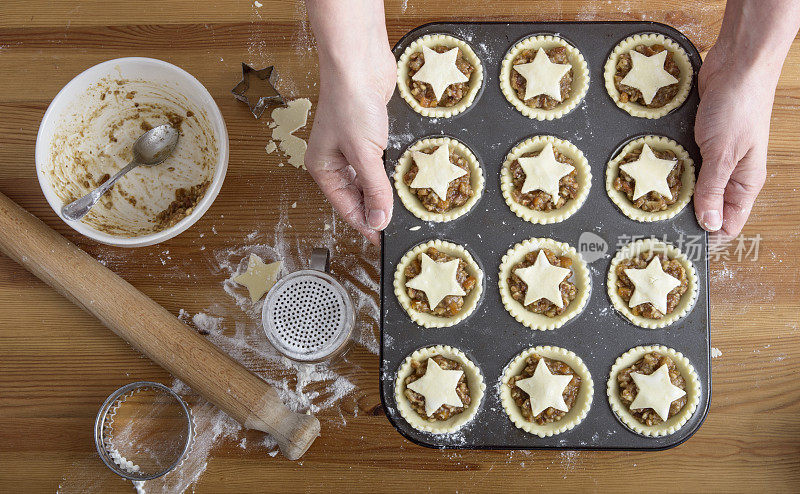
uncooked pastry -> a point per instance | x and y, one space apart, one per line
545 389
651 285
430 41
647 74
288 120
649 173
412 202
439 70
542 76
259 277
678 55
543 280
535 144
687 299
544 172
435 171
437 280
438 387
579 409
470 301
474 382
657 143
580 277
656 391
676 421
580 77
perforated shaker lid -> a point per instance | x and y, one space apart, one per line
308 315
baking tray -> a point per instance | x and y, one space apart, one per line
491 337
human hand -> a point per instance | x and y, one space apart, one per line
732 131
346 146
350 132
737 87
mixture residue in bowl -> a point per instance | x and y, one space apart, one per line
94 140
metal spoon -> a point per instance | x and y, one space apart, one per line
151 148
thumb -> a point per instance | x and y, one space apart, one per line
710 190
367 160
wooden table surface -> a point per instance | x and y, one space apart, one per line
57 364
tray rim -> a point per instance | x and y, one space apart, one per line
705 409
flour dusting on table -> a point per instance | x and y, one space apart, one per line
238 332
233 324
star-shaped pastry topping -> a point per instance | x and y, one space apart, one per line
543 172
649 173
543 280
259 276
652 285
438 386
647 74
437 280
545 389
656 391
439 70
435 171
543 76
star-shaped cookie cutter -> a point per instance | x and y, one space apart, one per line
272 96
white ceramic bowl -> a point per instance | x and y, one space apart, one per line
135 68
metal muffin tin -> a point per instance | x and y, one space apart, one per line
491 337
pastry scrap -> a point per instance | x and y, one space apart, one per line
648 75
651 179
652 283
546 390
438 284
259 277
438 389
543 283
545 179
438 179
544 77
288 120
653 390
439 75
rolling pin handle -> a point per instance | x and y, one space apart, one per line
152 330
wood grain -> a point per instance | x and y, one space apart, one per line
57 364
152 330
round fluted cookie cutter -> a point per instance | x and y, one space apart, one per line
143 431
308 316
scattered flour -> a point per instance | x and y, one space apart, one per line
303 387
233 323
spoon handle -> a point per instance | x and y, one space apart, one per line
79 208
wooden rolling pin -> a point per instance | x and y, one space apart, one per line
152 330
